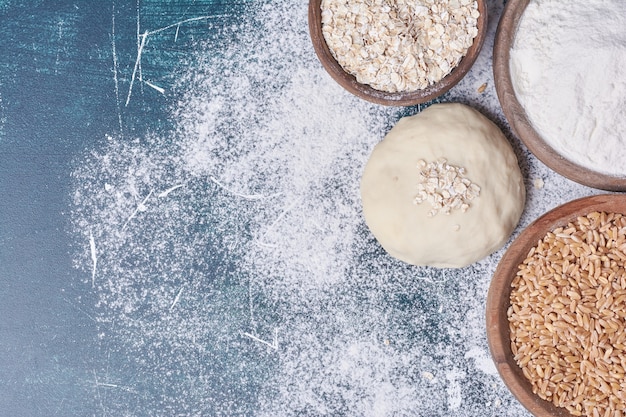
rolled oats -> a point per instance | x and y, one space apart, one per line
399 45
444 186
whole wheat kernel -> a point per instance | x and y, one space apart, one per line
567 316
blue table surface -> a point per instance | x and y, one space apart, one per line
180 229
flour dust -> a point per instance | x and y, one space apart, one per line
231 267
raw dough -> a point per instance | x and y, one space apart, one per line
465 139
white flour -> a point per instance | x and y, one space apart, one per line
567 66
235 275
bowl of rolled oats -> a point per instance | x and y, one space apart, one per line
556 311
397 52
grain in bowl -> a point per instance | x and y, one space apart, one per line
567 316
399 45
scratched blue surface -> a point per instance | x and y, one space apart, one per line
58 97
79 111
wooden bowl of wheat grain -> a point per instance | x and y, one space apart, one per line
561 350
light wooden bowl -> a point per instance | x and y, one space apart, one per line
498 300
516 115
366 92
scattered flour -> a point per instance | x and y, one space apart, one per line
567 66
3 119
235 275
455 396
482 360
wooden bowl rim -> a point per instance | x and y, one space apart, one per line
516 115
500 290
366 92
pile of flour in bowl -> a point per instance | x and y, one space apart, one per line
567 65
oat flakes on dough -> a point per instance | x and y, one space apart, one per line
467 140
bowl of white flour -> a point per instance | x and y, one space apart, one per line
560 77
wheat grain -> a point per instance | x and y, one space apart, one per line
567 316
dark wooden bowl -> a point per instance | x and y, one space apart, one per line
364 91
498 300
516 115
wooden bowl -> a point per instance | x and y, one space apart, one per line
516 115
498 301
364 91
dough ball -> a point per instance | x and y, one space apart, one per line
443 188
